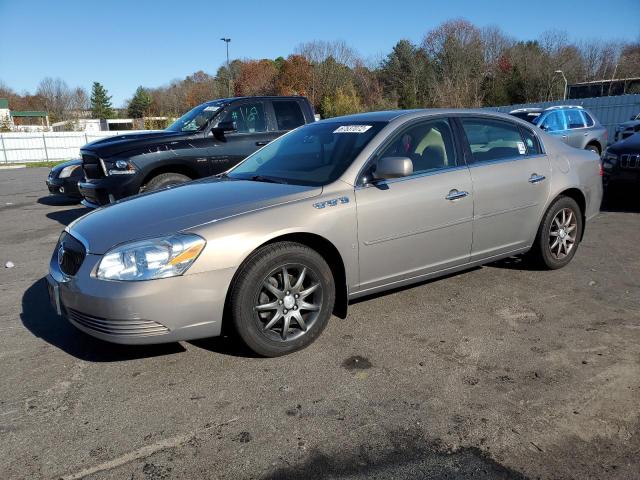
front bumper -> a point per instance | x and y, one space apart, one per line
64 186
621 177
146 312
109 189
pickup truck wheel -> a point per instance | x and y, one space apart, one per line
282 299
559 234
164 180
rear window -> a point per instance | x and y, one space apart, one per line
587 119
288 114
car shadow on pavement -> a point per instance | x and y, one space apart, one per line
40 319
65 217
58 200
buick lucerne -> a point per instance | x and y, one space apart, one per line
331 211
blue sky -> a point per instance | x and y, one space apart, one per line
124 44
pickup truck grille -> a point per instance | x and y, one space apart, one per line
91 166
630 160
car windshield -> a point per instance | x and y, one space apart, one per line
197 118
315 154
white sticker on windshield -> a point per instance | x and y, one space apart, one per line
211 108
352 129
521 148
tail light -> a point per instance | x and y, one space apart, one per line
600 168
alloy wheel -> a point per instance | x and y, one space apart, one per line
288 302
562 233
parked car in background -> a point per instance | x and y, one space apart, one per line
339 209
63 179
209 139
626 129
574 125
621 162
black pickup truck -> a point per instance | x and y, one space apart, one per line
207 140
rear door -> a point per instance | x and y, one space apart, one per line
415 225
511 177
576 128
250 120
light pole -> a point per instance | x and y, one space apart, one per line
565 83
227 40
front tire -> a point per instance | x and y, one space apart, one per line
559 234
165 180
282 298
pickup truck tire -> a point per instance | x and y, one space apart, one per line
282 298
164 180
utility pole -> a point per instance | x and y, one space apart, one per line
565 83
227 40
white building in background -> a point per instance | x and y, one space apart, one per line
93 125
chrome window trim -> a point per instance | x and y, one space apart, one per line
505 160
414 176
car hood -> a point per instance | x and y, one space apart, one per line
60 166
180 208
109 146
631 144
630 123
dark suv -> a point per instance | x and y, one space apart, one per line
573 124
208 140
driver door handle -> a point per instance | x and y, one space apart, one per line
535 178
262 143
456 194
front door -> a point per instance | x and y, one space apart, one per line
414 225
511 179
251 133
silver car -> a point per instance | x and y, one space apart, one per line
573 124
331 211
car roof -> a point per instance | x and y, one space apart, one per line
262 97
391 115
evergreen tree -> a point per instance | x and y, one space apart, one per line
139 104
100 102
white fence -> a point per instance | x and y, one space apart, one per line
46 146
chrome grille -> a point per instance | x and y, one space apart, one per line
70 253
630 160
91 166
125 328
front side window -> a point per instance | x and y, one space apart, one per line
316 154
288 114
247 118
553 122
574 119
493 139
429 145
196 119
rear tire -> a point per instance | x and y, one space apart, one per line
273 314
593 148
559 234
165 180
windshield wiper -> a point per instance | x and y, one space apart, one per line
262 178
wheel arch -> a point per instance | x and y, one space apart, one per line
321 245
169 168
580 198
596 144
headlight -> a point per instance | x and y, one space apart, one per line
609 160
150 259
122 167
67 171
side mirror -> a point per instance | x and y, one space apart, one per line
394 167
224 127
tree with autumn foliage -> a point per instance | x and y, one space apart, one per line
256 77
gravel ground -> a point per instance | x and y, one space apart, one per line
498 372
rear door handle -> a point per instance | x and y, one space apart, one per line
456 194
262 143
535 178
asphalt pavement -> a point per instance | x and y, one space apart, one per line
500 372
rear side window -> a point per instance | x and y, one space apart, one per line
493 140
574 119
587 119
531 142
288 114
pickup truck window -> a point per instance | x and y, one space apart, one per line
197 118
288 114
247 118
